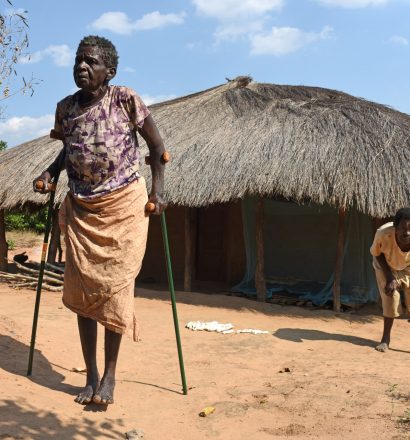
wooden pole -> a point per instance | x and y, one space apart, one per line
339 259
194 241
3 243
260 253
230 249
188 251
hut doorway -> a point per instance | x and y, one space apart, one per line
217 257
220 257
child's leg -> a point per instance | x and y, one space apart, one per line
406 291
385 342
88 336
391 308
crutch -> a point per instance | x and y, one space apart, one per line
51 187
150 207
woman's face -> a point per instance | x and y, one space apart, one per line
90 71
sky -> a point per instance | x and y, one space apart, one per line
174 48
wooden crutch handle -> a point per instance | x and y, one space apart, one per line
150 207
50 186
165 157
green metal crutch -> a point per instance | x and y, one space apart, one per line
173 300
52 189
150 207
40 276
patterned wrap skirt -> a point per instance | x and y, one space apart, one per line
105 241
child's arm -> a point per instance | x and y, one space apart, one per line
391 283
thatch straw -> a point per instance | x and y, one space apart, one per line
245 138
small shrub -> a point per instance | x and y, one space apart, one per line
21 221
16 222
11 245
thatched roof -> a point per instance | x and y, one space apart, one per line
247 138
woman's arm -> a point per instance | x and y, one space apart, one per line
50 172
150 133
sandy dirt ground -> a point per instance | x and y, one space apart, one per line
314 376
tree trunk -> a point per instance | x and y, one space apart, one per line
3 243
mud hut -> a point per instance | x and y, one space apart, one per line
302 170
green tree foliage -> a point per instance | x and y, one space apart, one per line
21 221
13 48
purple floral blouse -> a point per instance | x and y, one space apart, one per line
101 142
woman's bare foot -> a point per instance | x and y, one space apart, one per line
105 393
87 393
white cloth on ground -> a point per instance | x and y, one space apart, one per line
215 326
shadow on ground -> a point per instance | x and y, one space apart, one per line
365 315
301 334
20 420
14 359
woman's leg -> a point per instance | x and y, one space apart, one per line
105 393
88 336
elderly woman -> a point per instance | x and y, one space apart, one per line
103 217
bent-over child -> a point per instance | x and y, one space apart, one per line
391 262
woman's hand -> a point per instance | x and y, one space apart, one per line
159 202
45 177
